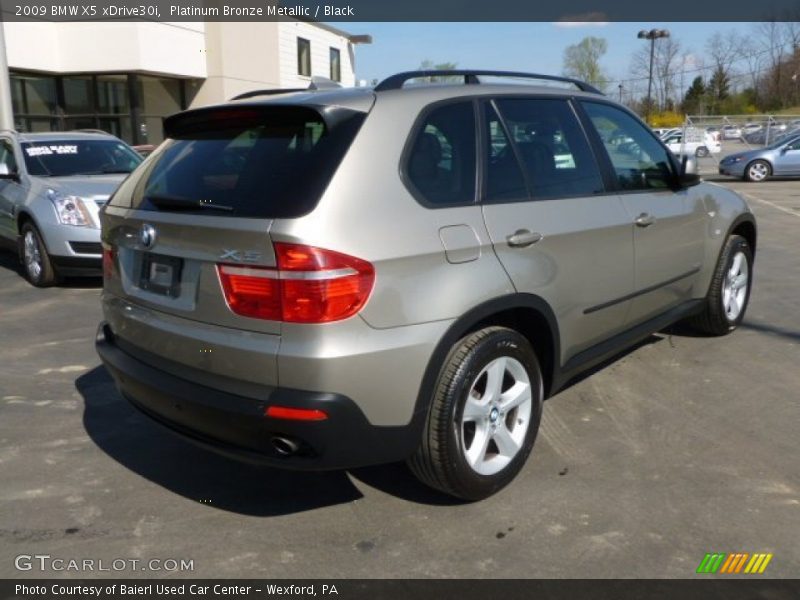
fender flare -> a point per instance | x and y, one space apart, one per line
466 323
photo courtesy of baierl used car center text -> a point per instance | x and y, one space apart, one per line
375 300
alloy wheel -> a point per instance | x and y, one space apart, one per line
496 415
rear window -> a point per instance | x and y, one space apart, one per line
272 162
64 158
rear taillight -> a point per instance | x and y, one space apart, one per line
108 262
309 285
251 291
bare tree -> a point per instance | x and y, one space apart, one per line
770 36
666 66
666 63
753 61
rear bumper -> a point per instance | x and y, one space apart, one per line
237 426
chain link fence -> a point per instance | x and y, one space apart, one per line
737 133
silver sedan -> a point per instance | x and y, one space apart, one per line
781 159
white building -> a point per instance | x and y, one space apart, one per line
124 77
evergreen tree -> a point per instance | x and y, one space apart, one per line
695 99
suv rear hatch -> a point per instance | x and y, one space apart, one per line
186 237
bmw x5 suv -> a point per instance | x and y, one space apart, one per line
328 279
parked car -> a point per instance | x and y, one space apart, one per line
51 188
781 159
336 278
144 149
694 142
731 132
662 132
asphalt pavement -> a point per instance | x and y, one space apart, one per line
682 446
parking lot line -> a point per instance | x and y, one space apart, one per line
772 204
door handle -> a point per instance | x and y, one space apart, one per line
522 238
644 220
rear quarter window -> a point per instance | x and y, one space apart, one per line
440 163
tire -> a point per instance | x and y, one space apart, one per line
473 444
36 263
701 152
757 171
729 292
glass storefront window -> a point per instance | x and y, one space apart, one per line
159 96
112 94
37 95
78 95
98 101
16 95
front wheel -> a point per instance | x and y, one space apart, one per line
757 171
39 270
701 152
484 415
729 293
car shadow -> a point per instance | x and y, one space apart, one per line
770 330
651 339
149 450
10 262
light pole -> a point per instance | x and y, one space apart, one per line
651 35
6 116
620 93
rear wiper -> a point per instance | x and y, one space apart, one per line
182 203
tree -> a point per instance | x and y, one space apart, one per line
665 64
582 61
429 65
718 87
695 99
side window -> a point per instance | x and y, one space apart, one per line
504 179
639 161
552 146
795 145
7 156
441 164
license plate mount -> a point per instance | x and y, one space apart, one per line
161 274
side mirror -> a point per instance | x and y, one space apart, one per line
6 173
689 172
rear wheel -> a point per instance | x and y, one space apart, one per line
730 289
484 415
758 170
701 152
39 270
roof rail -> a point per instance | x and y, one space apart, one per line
395 82
317 83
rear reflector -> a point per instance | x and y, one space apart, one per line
296 414
309 285
108 262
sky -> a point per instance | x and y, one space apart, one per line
532 47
